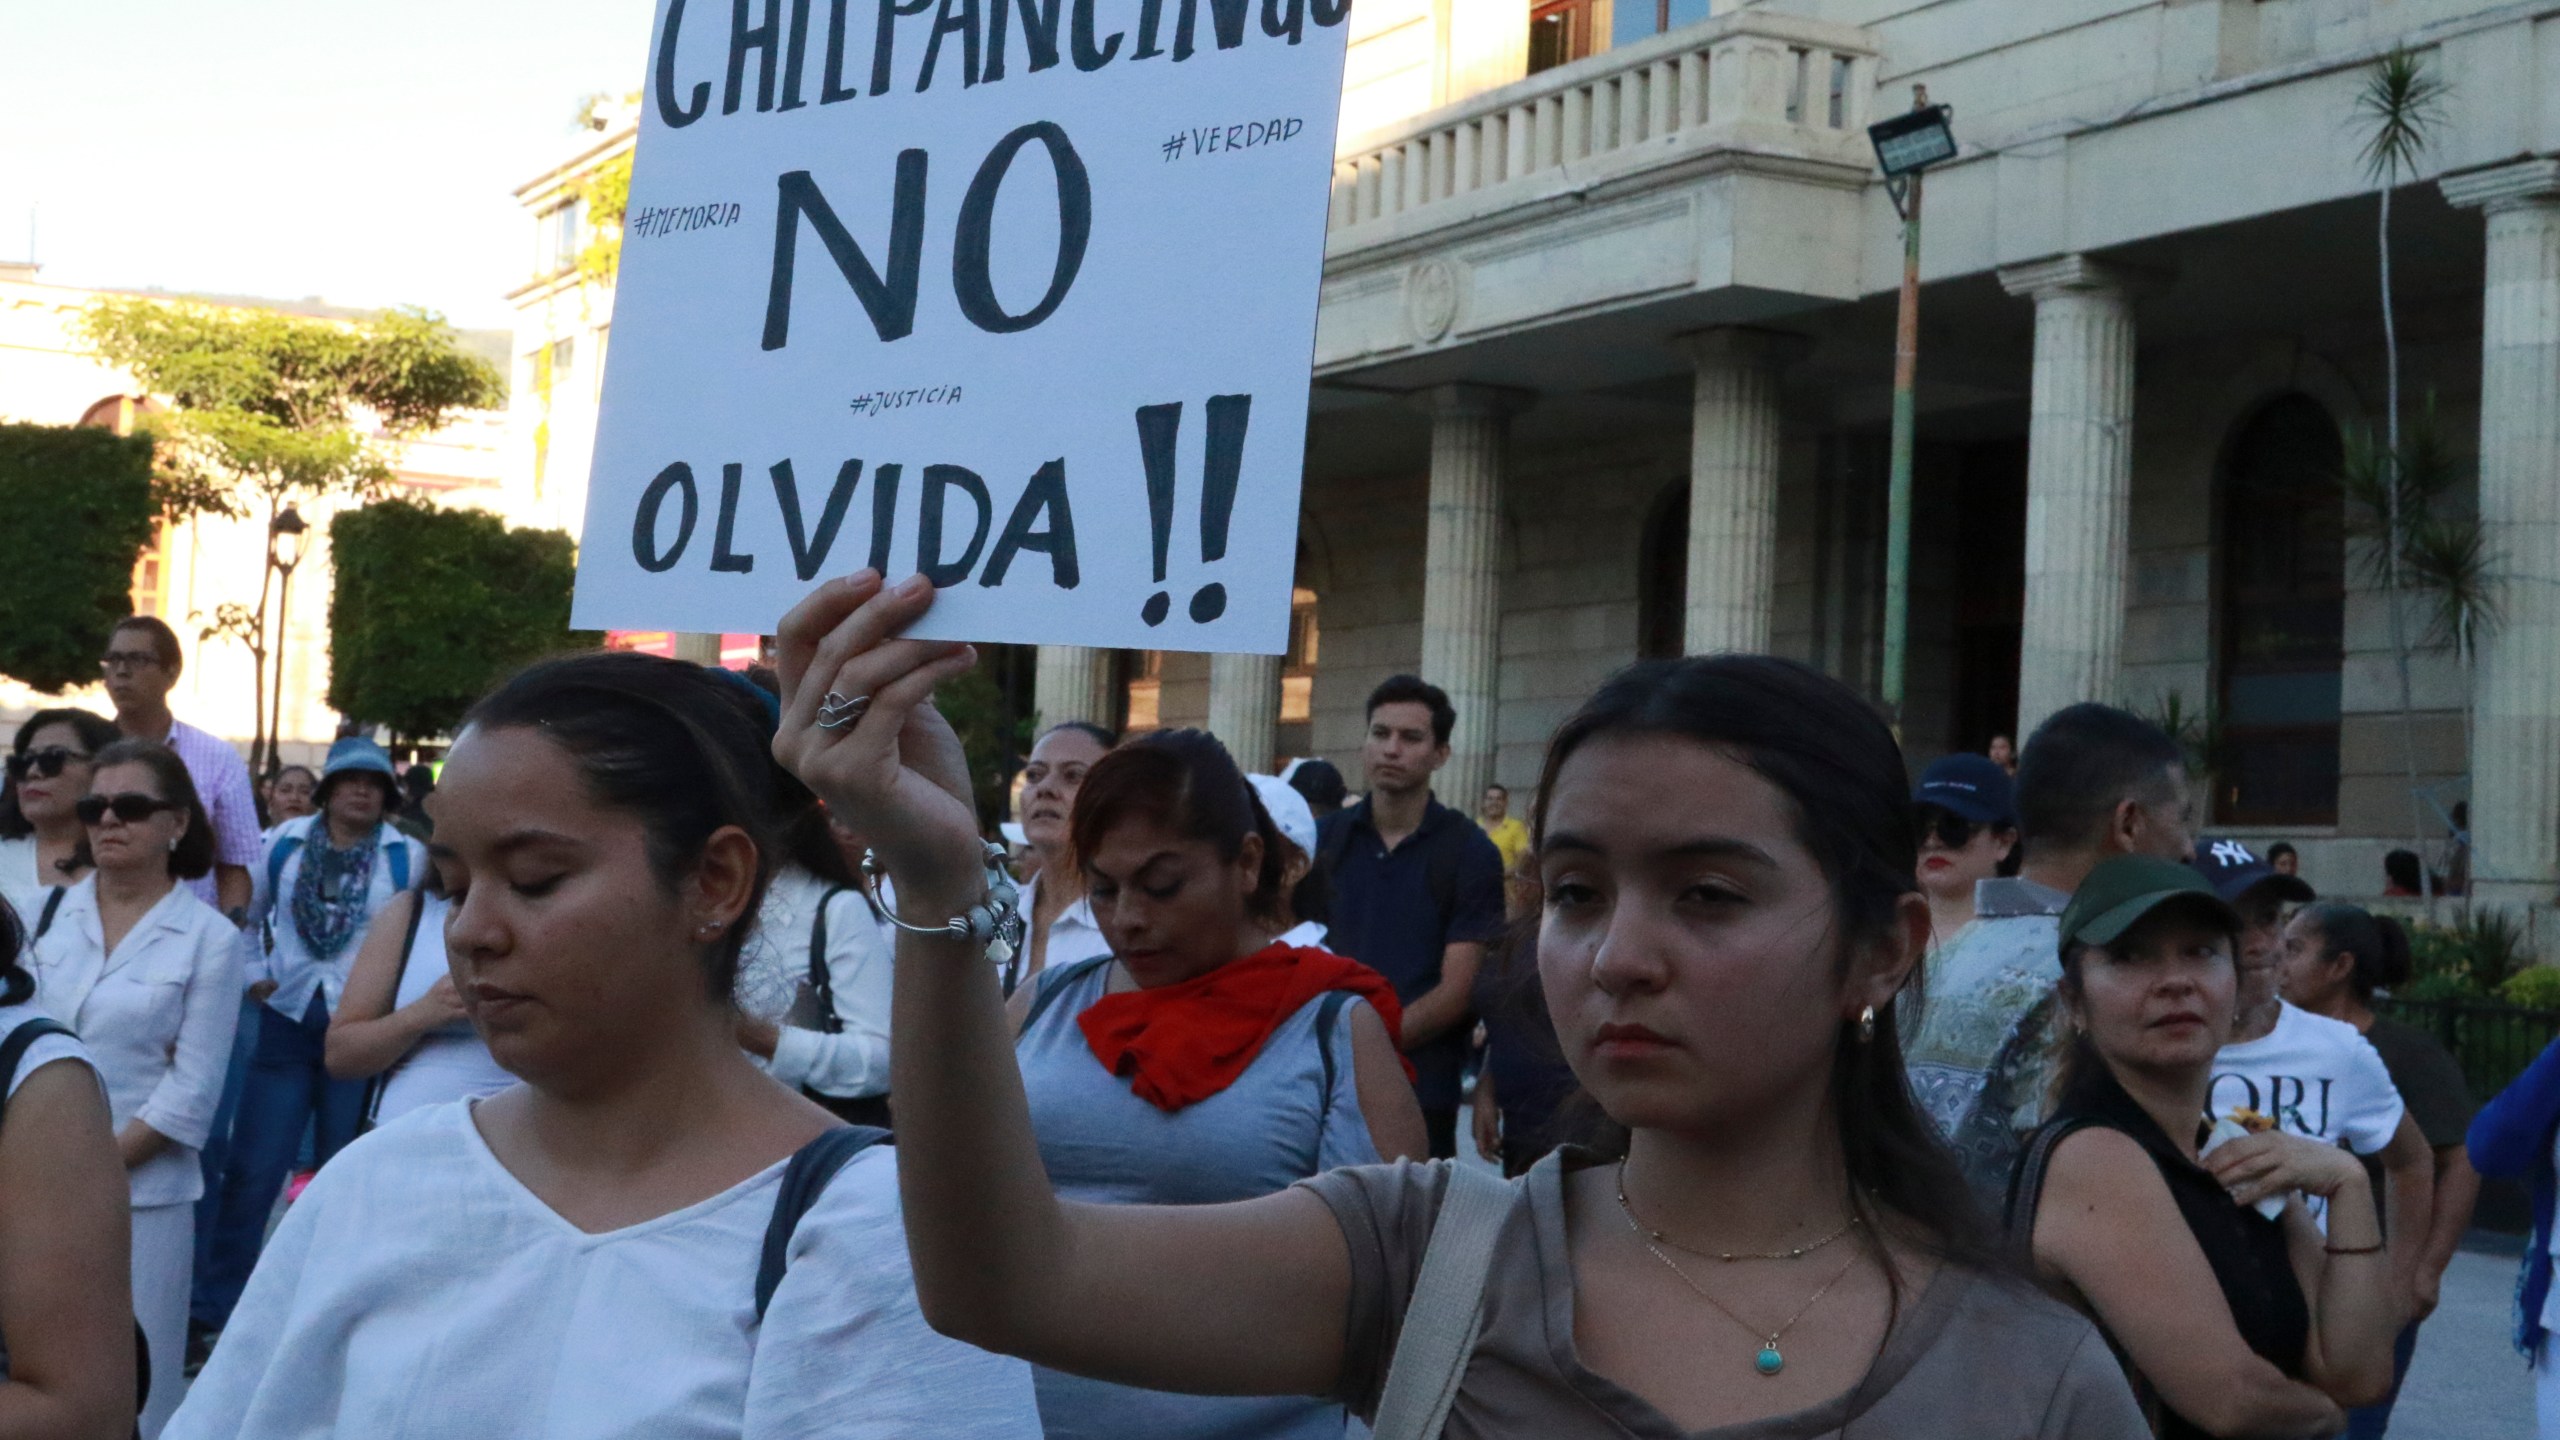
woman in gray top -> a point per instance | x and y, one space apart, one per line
1782 1248
1236 1066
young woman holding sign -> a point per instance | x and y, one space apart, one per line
1726 848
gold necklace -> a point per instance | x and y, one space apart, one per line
1770 1360
1728 1257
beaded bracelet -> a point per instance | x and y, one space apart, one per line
995 922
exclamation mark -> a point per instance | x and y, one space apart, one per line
1158 426
1228 415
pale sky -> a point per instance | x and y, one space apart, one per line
358 151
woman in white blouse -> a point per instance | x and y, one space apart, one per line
813 991
149 976
1058 921
583 1255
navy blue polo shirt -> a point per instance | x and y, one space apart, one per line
1387 916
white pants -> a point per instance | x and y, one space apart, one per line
164 1265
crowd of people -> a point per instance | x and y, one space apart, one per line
682 1059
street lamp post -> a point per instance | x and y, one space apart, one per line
1906 146
285 536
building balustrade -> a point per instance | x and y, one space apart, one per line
1773 84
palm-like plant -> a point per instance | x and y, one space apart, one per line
2399 108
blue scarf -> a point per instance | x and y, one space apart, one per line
330 891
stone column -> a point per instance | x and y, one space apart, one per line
1462 577
2079 484
1733 490
698 648
2515 756
1073 682
1244 707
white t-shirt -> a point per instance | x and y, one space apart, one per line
2313 1076
418 1289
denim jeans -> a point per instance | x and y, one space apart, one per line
288 1088
2368 1422
216 1155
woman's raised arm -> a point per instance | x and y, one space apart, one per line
1249 1298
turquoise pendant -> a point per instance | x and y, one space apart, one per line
1770 1361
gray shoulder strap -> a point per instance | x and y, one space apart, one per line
1447 1308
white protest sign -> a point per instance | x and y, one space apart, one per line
1018 293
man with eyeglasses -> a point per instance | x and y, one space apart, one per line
141 664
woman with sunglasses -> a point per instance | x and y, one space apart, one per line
149 975
48 771
1968 825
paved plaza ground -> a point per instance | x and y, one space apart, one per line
2468 1383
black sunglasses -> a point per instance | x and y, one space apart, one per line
131 808
43 764
1953 830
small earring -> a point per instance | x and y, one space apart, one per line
709 928
173 844
1867 1025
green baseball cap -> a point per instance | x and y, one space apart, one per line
2120 892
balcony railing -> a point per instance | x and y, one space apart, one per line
1771 83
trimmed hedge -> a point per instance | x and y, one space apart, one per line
75 513
431 607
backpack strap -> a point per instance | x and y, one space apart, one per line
1328 1019
1447 1308
1048 985
399 858
13 1050
822 984
803 1181
283 850
374 1087
44 921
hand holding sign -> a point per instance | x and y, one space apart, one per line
899 767
1012 306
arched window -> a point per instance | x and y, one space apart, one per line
2282 618
1662 577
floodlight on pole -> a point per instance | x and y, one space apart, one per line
1906 146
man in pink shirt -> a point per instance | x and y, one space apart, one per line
141 664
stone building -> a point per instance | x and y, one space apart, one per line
1603 370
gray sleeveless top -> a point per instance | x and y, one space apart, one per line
1293 1113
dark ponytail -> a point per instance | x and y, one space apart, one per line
2377 944
17 986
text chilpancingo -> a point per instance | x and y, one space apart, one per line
980 38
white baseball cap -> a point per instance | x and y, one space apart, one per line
1289 812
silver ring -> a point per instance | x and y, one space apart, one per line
836 712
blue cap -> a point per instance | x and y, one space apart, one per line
1973 786
357 755
2232 871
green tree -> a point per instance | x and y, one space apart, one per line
75 511
430 607
268 408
